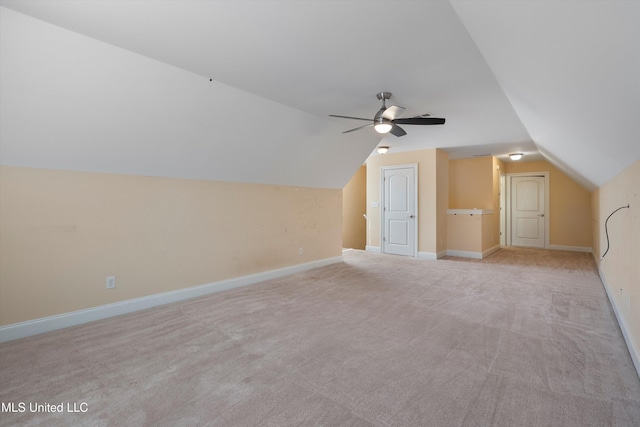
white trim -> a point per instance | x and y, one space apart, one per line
474 255
571 248
372 249
634 350
464 254
490 251
413 166
470 211
428 255
47 324
503 198
544 174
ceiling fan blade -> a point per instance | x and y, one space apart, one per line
349 117
359 127
420 121
397 131
392 112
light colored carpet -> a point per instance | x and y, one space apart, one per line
522 338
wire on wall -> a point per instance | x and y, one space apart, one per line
606 231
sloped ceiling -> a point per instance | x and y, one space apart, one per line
571 70
557 79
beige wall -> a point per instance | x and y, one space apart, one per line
62 233
464 232
620 269
432 196
441 185
474 183
472 233
570 205
354 205
471 183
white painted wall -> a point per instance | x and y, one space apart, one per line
71 102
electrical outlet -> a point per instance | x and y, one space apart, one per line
300 251
111 282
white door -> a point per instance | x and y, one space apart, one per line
527 211
399 211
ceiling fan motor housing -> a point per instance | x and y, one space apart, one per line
378 118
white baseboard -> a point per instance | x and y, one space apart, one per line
431 255
474 255
428 255
570 248
490 251
464 254
372 249
51 323
632 346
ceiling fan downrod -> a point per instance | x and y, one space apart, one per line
380 123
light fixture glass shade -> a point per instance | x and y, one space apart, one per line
382 150
516 156
382 127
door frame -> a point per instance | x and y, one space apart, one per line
503 209
545 175
413 166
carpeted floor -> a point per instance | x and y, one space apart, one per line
523 338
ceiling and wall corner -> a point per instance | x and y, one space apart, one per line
73 103
124 86
571 70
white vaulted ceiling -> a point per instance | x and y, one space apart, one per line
571 70
124 86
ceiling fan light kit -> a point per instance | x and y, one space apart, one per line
382 149
386 119
382 126
381 123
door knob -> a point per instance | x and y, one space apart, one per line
411 216
541 215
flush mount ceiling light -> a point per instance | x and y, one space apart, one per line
382 150
515 156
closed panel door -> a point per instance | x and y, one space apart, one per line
527 211
399 211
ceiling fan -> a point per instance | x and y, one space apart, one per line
386 119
